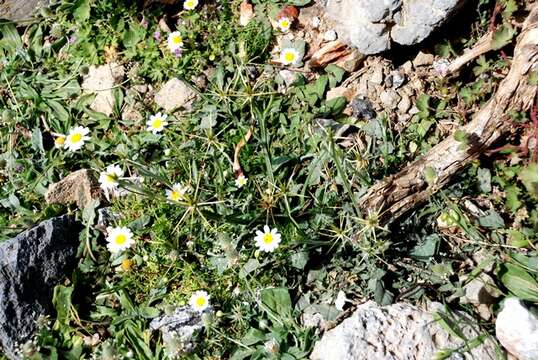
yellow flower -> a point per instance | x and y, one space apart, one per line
59 141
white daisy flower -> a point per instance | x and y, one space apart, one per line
190 4
267 240
119 239
157 123
177 193
76 137
109 178
59 141
199 300
175 41
241 181
289 56
340 300
284 24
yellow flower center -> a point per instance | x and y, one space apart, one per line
289 56
284 23
268 238
176 39
75 138
121 239
110 178
60 140
175 195
157 123
189 4
127 264
200 301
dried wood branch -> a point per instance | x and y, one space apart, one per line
399 193
481 47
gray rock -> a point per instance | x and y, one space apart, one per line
178 329
362 109
517 330
397 79
398 331
419 18
175 94
31 264
80 187
101 80
404 104
389 98
20 10
372 25
423 59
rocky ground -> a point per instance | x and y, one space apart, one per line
338 179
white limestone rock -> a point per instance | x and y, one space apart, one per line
395 332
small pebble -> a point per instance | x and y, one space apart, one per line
330 35
363 109
316 22
441 66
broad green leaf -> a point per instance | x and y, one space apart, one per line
484 179
61 299
10 40
278 301
512 197
519 282
58 110
529 177
37 140
492 220
81 10
502 36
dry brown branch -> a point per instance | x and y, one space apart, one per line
401 192
481 47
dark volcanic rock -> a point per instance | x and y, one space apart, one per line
363 109
31 264
20 10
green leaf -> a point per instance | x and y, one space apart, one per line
533 78
58 111
512 197
510 7
10 40
502 36
81 10
529 177
37 140
519 282
430 175
299 260
336 74
61 299
253 336
427 248
484 178
492 220
278 301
